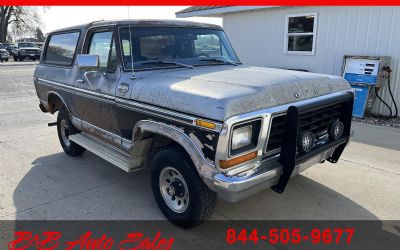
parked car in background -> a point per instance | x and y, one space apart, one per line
4 55
8 47
24 50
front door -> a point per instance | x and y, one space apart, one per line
96 89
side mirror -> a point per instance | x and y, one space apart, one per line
88 62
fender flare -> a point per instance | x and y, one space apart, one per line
205 169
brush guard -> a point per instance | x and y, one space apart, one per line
289 158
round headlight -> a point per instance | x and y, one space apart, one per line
336 130
305 141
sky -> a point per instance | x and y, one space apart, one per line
63 16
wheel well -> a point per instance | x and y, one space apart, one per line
55 103
158 142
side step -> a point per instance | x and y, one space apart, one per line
108 152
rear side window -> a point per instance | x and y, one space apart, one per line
61 48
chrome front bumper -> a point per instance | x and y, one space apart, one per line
26 54
266 175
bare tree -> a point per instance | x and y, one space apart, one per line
39 35
21 19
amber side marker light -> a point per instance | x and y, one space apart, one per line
235 161
205 124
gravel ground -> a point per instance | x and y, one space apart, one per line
392 122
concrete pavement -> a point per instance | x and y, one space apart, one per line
38 181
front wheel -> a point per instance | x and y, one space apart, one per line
64 129
180 193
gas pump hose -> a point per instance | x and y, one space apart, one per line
389 71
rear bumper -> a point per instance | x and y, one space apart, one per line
265 175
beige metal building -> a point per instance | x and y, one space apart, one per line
265 36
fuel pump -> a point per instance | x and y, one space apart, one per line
367 74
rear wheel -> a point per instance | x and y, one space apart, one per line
179 191
64 129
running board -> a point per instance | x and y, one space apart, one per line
108 152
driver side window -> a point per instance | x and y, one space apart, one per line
103 45
208 45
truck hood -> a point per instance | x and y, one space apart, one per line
220 92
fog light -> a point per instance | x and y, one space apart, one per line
336 130
305 141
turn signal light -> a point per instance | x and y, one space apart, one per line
224 164
205 124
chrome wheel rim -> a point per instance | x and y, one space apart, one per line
64 130
174 189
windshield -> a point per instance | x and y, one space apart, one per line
26 45
153 46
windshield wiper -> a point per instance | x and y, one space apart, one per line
219 59
168 62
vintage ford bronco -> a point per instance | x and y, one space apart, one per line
172 96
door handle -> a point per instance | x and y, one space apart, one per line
79 81
123 88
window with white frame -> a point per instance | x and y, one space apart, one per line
300 34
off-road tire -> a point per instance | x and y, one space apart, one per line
72 149
201 198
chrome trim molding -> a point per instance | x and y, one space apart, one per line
75 90
164 113
204 167
133 105
247 151
266 115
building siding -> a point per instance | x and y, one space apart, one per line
258 38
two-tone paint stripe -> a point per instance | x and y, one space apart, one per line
132 105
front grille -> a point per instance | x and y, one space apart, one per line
30 51
316 120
